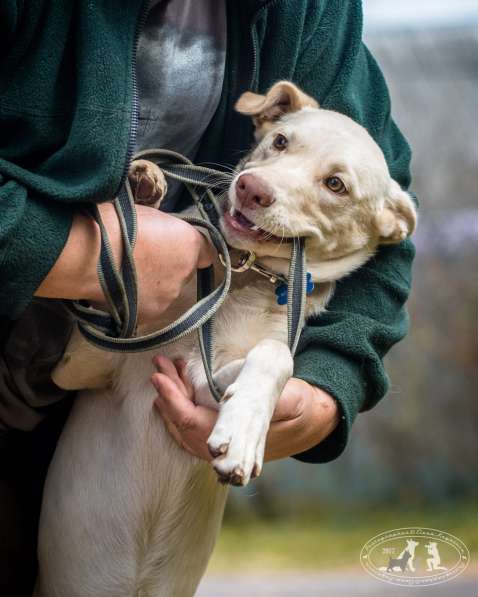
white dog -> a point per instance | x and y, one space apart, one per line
126 512
411 548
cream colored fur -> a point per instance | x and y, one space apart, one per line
126 513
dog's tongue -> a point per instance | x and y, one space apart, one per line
241 218
241 224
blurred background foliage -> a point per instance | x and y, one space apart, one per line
413 459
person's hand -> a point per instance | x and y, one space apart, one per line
305 415
167 254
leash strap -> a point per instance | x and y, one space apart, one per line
115 331
296 294
180 168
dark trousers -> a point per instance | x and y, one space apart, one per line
24 460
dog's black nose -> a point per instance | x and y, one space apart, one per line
253 192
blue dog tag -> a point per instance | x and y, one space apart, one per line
281 290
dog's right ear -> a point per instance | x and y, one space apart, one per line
282 98
398 217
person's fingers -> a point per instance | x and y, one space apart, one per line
207 252
198 451
167 367
181 411
173 430
316 419
286 438
174 403
288 407
181 367
291 402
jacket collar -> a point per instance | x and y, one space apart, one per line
252 6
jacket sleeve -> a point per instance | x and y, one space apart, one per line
32 230
342 350
10 13
32 235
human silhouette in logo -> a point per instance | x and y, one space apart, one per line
434 561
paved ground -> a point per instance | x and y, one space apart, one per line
327 585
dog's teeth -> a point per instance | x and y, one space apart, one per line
254 227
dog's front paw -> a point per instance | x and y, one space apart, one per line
147 182
238 439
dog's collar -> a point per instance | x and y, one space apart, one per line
248 261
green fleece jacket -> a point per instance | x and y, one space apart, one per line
67 122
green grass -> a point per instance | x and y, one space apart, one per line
331 540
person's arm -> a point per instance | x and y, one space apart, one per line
304 414
32 235
341 351
162 265
338 367
33 344
27 224
10 13
51 250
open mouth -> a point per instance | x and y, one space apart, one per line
239 224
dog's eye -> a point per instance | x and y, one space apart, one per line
280 142
335 185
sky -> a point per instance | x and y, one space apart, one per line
413 14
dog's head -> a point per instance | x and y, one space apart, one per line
316 174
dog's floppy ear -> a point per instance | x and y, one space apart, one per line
282 98
398 217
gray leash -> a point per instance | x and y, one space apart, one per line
115 331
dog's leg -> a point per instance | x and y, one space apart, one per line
181 544
125 511
83 365
238 440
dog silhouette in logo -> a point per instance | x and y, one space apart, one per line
399 562
410 550
433 562
411 547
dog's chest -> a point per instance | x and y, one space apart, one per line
249 315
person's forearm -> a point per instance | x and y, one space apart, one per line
74 274
304 417
163 265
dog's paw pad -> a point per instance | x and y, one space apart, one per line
237 471
147 182
145 189
236 477
238 454
256 471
